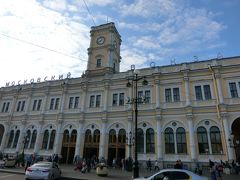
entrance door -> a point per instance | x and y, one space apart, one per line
236 137
1 133
116 146
68 146
91 144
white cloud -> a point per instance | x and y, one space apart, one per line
28 21
150 8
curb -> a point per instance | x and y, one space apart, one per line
23 173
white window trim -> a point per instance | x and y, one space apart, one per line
238 88
172 98
202 89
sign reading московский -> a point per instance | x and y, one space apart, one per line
38 80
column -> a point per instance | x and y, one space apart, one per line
64 89
28 103
159 139
230 150
103 139
106 97
157 84
4 138
219 88
57 148
187 92
44 102
84 93
39 138
191 137
79 138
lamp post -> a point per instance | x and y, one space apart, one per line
130 143
134 83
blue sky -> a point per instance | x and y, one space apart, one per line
40 38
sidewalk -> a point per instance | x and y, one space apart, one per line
69 173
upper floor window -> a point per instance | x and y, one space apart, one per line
5 106
233 89
95 101
73 102
20 106
54 103
199 92
118 99
144 95
172 95
37 105
99 63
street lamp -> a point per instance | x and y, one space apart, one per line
130 142
135 78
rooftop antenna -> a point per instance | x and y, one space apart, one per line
219 56
195 58
173 61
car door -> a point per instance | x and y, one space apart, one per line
160 176
56 170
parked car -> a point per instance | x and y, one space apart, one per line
173 174
43 170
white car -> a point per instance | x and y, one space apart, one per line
43 170
173 174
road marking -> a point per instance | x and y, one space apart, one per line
3 177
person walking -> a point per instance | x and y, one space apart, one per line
149 165
156 167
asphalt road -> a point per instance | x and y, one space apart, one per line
12 176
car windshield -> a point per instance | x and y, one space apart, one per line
41 165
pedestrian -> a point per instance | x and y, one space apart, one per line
29 161
156 167
114 163
149 165
123 164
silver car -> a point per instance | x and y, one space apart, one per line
173 174
43 170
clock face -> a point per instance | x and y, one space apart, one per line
100 40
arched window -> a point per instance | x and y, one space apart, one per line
112 136
96 136
181 141
140 141
16 139
10 140
33 140
202 140
1 132
52 139
26 144
122 136
88 136
150 148
73 136
169 141
66 136
45 139
215 137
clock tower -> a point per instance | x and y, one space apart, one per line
104 51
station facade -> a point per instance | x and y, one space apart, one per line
189 111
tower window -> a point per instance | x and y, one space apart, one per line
99 62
